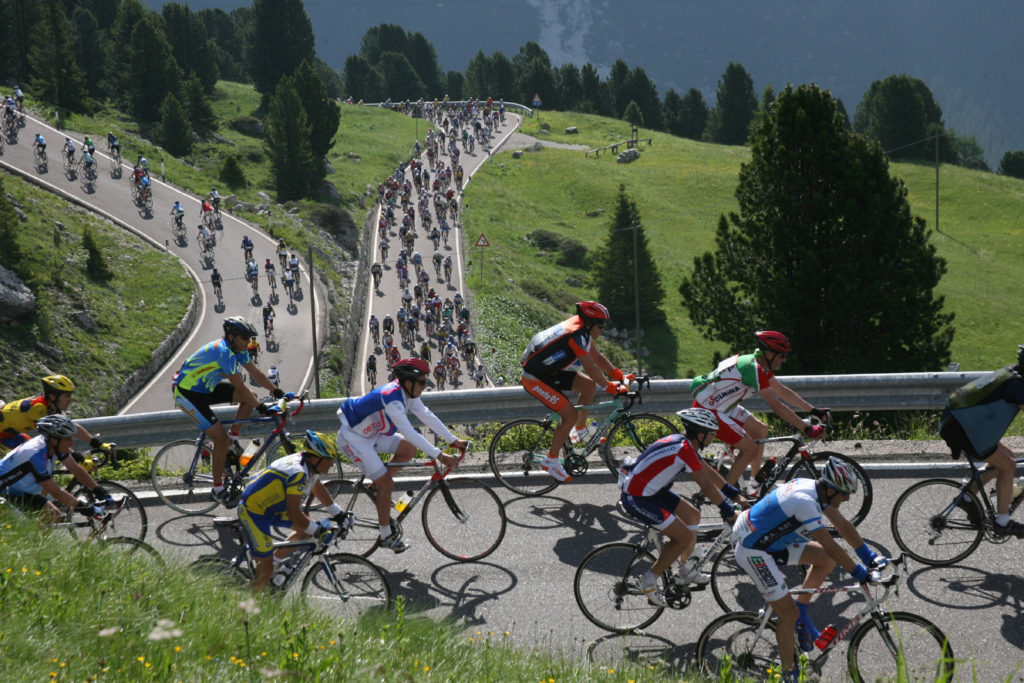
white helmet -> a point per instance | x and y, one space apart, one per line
698 419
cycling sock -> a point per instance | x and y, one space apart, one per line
1002 520
385 530
648 577
218 487
802 608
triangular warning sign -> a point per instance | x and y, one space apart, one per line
482 242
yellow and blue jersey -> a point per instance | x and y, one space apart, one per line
205 368
267 490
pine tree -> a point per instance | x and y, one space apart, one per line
614 268
282 37
56 75
153 72
824 249
174 129
287 134
736 106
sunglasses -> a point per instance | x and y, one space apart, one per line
422 382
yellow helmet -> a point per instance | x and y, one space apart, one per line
57 384
323 445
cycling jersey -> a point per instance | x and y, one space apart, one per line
383 412
205 368
733 380
556 348
657 467
287 476
975 421
23 470
18 417
788 515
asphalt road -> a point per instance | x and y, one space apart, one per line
110 196
388 298
525 587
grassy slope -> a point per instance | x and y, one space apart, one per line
134 311
681 187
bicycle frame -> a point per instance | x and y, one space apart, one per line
986 502
677 594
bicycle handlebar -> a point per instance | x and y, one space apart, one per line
800 437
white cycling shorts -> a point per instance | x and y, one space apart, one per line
364 453
763 568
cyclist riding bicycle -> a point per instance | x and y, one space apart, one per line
282 251
646 485
378 423
26 473
199 384
547 362
88 145
268 318
374 325
20 416
143 163
376 271
87 160
215 199
270 269
178 213
113 145
274 376
217 281
69 150
205 237
252 271
388 325
40 142
274 497
737 377
786 528
246 247
974 420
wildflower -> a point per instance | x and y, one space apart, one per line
107 632
249 606
177 648
164 630
141 659
426 668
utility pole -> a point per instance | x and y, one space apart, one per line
636 297
312 317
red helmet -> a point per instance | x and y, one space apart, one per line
769 340
591 311
410 368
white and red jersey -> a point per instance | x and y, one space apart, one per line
733 380
658 466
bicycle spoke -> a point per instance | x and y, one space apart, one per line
515 454
630 435
900 646
931 528
131 520
736 644
346 585
607 591
181 481
464 519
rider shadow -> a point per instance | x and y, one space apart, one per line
292 308
256 299
660 654
297 293
592 525
181 241
461 587
273 346
197 531
219 307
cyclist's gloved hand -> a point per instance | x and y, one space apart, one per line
616 389
87 509
870 558
880 562
100 493
814 431
100 446
864 575
278 393
323 529
616 375
727 510
263 409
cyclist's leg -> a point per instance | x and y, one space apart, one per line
762 569
740 429
363 453
555 401
260 543
587 389
197 407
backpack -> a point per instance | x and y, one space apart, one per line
975 392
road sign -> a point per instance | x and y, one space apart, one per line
536 100
482 242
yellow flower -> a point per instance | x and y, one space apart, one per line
24 569
141 659
426 668
263 654
63 664
295 655
231 658
332 642
38 573
177 648
148 665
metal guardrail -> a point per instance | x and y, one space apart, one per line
841 393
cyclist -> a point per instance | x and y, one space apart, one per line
282 252
417 260
786 527
26 473
407 298
479 375
218 282
246 242
374 328
144 186
447 267
19 96
425 351
39 143
973 422
88 146
546 366
137 175
293 265
271 271
20 416
388 324
113 145
69 150
377 272
440 373
143 163
274 376
252 271
457 300
268 318
371 365
87 160
215 200
288 281
274 497
384 249
737 377
378 423
178 213
646 484
198 385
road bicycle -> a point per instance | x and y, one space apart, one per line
798 462
342 584
607 582
272 281
519 446
130 519
254 281
268 331
371 375
883 645
177 220
182 470
462 518
941 521
220 295
40 158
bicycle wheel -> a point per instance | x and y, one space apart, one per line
130 522
899 646
931 527
346 585
857 508
363 535
515 454
181 479
464 519
132 546
733 589
736 643
630 435
223 572
607 588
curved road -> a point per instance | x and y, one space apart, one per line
388 299
111 198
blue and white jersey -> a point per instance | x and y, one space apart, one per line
24 469
383 412
789 514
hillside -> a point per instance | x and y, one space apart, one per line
681 188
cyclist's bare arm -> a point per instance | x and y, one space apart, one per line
321 493
293 508
834 550
242 392
844 526
775 398
592 366
51 489
79 472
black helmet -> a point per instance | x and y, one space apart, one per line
236 324
56 426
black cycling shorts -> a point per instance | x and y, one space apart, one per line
952 432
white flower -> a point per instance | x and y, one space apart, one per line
107 632
164 630
249 606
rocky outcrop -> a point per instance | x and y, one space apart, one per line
16 299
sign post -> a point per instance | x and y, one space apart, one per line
482 242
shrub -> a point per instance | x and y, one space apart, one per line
572 253
231 173
338 222
545 239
